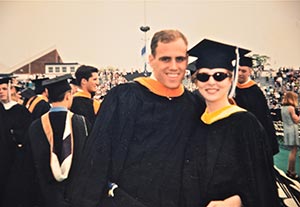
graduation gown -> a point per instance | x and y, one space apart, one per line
16 121
226 158
83 104
38 106
6 153
48 191
251 98
137 142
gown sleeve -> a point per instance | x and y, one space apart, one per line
115 118
257 165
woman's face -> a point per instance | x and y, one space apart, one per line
214 90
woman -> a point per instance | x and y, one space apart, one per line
290 128
226 162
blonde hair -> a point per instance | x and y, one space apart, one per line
290 98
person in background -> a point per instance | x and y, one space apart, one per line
88 80
39 104
57 140
249 96
134 155
290 122
15 92
26 94
6 153
16 121
226 163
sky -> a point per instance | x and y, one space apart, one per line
106 33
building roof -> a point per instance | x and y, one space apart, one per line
31 59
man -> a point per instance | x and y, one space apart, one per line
57 140
38 105
16 120
88 80
6 153
249 96
135 153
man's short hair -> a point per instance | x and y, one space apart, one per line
84 72
165 36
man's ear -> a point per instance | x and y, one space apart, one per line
68 95
151 58
83 82
46 92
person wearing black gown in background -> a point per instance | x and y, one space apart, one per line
249 96
6 149
16 120
57 141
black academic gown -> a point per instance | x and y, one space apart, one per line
49 192
137 142
6 153
40 108
253 100
16 123
84 106
226 158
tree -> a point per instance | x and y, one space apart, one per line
260 61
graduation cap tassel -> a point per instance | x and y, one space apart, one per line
235 74
9 91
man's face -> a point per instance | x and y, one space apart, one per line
4 92
93 82
169 63
244 73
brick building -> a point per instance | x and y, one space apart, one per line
36 64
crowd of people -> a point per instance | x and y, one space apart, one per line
173 138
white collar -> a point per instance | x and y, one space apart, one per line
9 104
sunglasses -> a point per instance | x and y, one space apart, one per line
218 76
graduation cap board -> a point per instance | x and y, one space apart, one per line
38 88
131 76
73 81
212 54
57 86
246 61
5 79
27 93
192 67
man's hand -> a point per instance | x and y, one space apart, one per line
233 201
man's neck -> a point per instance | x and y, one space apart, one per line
84 90
247 81
60 104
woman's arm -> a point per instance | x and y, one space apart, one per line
293 114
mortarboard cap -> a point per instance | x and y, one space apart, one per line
73 81
212 54
192 67
5 79
57 86
132 76
27 93
18 87
38 88
246 61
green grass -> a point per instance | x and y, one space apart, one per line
281 159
